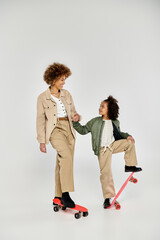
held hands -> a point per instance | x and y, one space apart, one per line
131 139
76 117
43 147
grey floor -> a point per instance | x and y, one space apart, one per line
27 211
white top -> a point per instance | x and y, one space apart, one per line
61 110
107 134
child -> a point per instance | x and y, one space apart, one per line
107 139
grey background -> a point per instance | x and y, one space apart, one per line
111 47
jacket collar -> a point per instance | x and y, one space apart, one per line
103 120
48 93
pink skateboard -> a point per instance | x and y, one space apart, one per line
82 211
115 202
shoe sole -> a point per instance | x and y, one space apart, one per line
133 171
65 205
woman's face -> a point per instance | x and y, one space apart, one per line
103 109
60 82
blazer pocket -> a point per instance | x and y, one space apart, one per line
48 107
68 102
48 111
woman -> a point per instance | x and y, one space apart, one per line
55 112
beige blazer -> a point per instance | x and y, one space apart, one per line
47 114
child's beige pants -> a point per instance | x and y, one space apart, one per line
63 141
105 163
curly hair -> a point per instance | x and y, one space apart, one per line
55 71
113 108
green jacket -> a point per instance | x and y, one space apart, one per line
95 126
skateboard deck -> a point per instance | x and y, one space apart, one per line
115 202
82 211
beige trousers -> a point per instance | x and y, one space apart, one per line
105 163
63 141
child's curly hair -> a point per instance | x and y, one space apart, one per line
113 108
55 71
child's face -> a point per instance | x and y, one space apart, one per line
103 109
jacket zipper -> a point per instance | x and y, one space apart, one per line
102 125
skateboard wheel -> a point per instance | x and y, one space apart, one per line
85 214
63 208
77 215
118 206
135 180
56 208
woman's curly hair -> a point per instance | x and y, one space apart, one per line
55 71
113 108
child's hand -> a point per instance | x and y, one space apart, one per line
130 138
76 117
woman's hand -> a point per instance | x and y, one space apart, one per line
76 117
43 147
130 138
